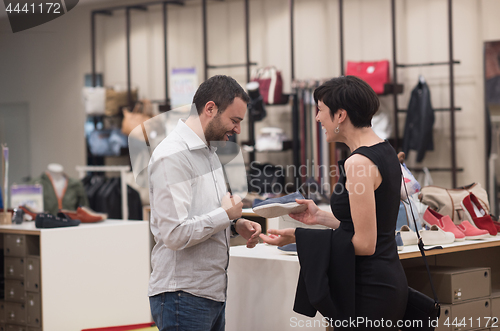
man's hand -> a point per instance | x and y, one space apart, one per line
232 205
279 237
248 230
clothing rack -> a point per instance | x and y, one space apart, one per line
247 64
122 170
395 91
128 8
314 149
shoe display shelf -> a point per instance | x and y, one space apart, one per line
74 278
266 267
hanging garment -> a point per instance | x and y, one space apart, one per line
108 199
71 198
419 122
92 184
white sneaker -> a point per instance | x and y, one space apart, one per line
280 206
408 235
436 236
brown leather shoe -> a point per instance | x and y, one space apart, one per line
85 215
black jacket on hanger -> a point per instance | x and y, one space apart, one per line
419 122
105 197
327 274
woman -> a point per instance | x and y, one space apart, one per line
365 203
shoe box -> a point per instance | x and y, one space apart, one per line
466 315
453 284
20 309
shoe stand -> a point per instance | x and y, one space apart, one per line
69 279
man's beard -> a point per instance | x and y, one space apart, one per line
215 130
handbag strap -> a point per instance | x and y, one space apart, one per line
422 249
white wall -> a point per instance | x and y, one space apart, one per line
45 65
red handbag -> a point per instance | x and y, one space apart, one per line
376 74
270 84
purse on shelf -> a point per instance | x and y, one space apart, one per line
448 201
140 114
116 100
270 85
375 73
420 309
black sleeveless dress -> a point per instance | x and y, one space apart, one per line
380 282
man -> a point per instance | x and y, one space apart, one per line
192 215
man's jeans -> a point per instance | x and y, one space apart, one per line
181 311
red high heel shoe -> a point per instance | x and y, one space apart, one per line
477 215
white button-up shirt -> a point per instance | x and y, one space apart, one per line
190 228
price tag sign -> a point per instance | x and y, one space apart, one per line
184 83
27 14
27 195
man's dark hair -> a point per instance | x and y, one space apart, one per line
221 90
353 95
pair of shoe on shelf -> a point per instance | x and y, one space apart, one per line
478 216
81 214
442 229
436 235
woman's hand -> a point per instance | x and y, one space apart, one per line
279 237
308 216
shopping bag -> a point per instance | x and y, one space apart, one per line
94 99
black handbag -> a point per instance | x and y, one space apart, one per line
421 312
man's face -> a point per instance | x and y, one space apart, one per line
228 123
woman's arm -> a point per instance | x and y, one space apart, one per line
313 215
363 178
327 218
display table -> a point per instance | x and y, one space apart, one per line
92 275
263 280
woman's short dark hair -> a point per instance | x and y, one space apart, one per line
221 90
353 95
